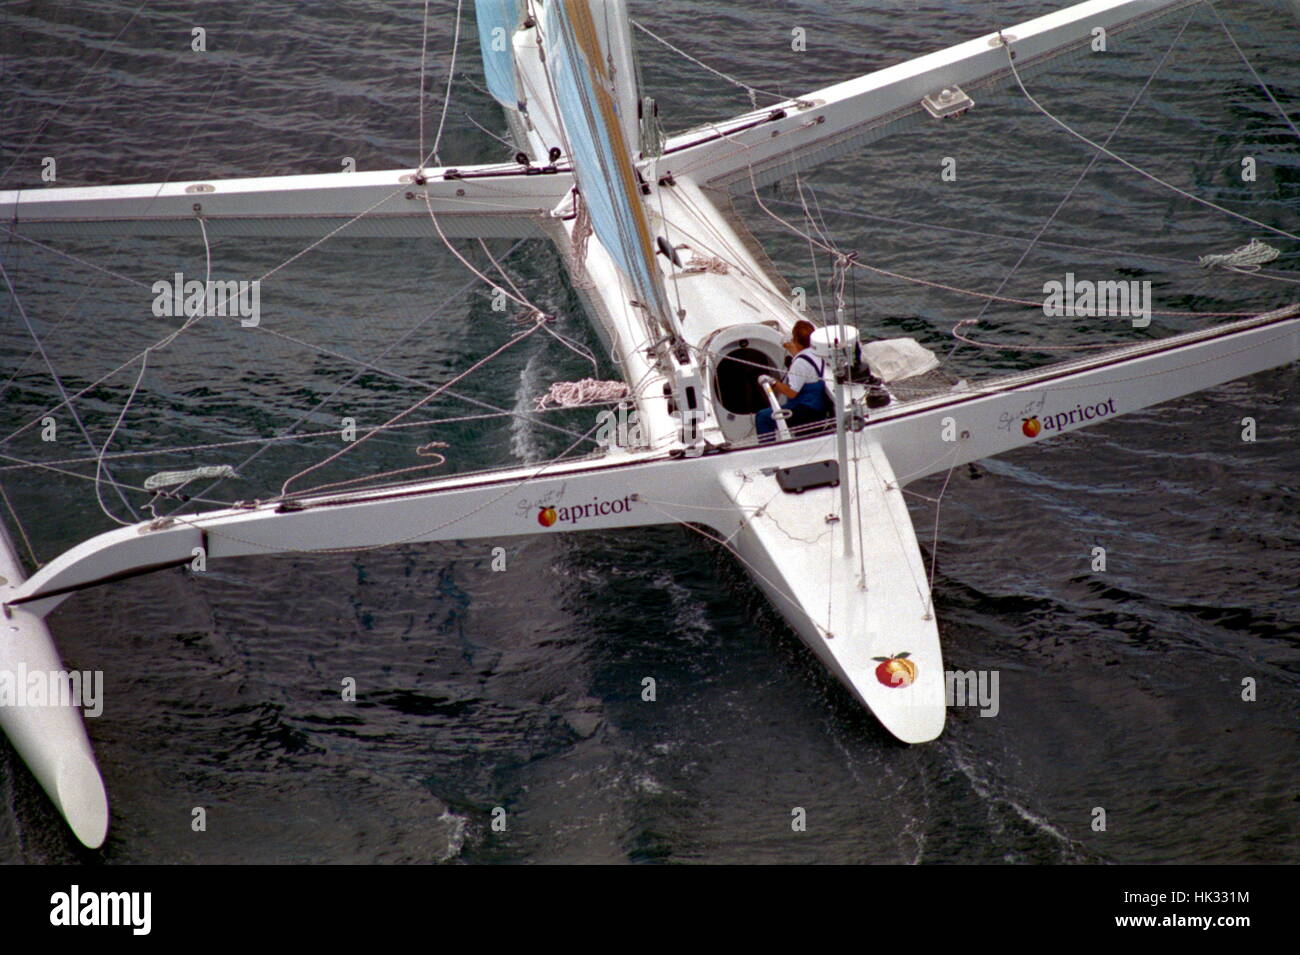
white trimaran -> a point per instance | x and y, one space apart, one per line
692 319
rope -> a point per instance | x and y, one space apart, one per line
1002 237
751 90
22 531
574 394
1137 169
284 489
1246 258
857 486
58 382
423 451
518 298
446 99
424 45
67 99
370 366
915 280
167 338
705 263
1092 161
168 478
1262 85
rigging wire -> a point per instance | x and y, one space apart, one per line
304 436
331 234
1124 162
1006 237
753 91
424 46
58 382
22 531
67 99
180 154
284 489
1258 79
916 280
446 99
1069 194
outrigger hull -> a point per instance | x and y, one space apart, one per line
48 734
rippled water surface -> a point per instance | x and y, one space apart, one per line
522 689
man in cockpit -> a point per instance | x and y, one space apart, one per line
803 386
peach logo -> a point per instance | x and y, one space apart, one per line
549 515
896 671
1031 426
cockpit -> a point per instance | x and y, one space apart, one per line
737 356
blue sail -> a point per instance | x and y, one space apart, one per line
599 151
497 22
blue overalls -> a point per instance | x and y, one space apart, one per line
809 405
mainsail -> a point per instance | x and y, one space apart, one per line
497 22
600 152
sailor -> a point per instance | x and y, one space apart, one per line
803 385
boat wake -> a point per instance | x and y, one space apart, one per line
1039 840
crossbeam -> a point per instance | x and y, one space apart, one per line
920 437
496 201
773 142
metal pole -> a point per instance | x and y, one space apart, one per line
841 436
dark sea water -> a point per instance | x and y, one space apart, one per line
521 689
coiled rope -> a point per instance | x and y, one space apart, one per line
1246 258
574 394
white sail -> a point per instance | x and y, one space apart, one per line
497 22
600 151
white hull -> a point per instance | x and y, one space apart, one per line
855 607
50 739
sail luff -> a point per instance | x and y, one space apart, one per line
497 22
585 34
601 154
